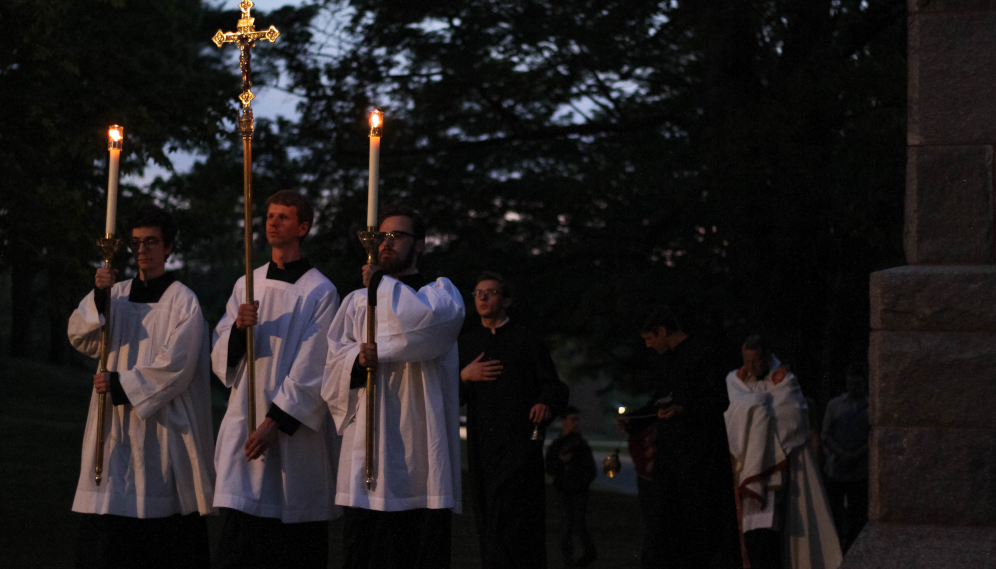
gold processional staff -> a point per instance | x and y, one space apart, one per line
245 38
371 239
108 247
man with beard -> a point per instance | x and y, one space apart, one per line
276 487
404 520
694 524
511 388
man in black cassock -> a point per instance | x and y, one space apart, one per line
510 386
694 524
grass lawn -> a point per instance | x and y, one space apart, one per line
43 412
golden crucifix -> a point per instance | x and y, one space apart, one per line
245 38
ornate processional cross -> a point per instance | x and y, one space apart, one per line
245 38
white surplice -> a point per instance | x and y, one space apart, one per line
780 414
417 422
294 480
158 447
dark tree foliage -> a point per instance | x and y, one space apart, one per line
742 161
68 70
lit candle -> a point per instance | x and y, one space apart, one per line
115 137
376 124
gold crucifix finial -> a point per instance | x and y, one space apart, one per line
245 37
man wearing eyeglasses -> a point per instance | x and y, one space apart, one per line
276 488
158 471
511 389
404 520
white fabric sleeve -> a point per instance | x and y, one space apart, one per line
791 413
219 350
417 326
84 327
150 387
343 348
300 393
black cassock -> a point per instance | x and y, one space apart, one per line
695 523
506 466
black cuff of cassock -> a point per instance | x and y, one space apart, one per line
358 375
118 395
100 298
236 346
285 422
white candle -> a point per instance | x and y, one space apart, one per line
376 122
115 136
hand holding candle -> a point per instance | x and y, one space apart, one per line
115 139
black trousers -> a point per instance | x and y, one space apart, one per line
764 548
409 539
692 529
107 541
510 512
651 509
251 542
850 519
573 520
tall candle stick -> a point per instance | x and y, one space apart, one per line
115 137
108 246
371 240
376 125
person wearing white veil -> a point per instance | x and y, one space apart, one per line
784 512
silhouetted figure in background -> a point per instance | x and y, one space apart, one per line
695 523
570 462
845 438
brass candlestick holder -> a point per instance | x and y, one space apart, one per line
108 246
371 240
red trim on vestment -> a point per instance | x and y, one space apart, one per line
757 477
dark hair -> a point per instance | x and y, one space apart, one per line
857 369
290 198
655 316
418 224
154 216
571 410
755 343
506 289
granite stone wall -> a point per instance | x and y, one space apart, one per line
932 353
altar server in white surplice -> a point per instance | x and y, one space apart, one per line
157 468
404 521
277 487
785 517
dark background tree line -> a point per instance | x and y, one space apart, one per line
742 161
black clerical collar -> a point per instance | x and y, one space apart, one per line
414 280
291 271
150 291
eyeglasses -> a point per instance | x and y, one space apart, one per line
149 243
485 294
396 235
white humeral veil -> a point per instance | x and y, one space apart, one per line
768 427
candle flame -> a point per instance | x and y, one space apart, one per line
622 410
376 118
115 137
